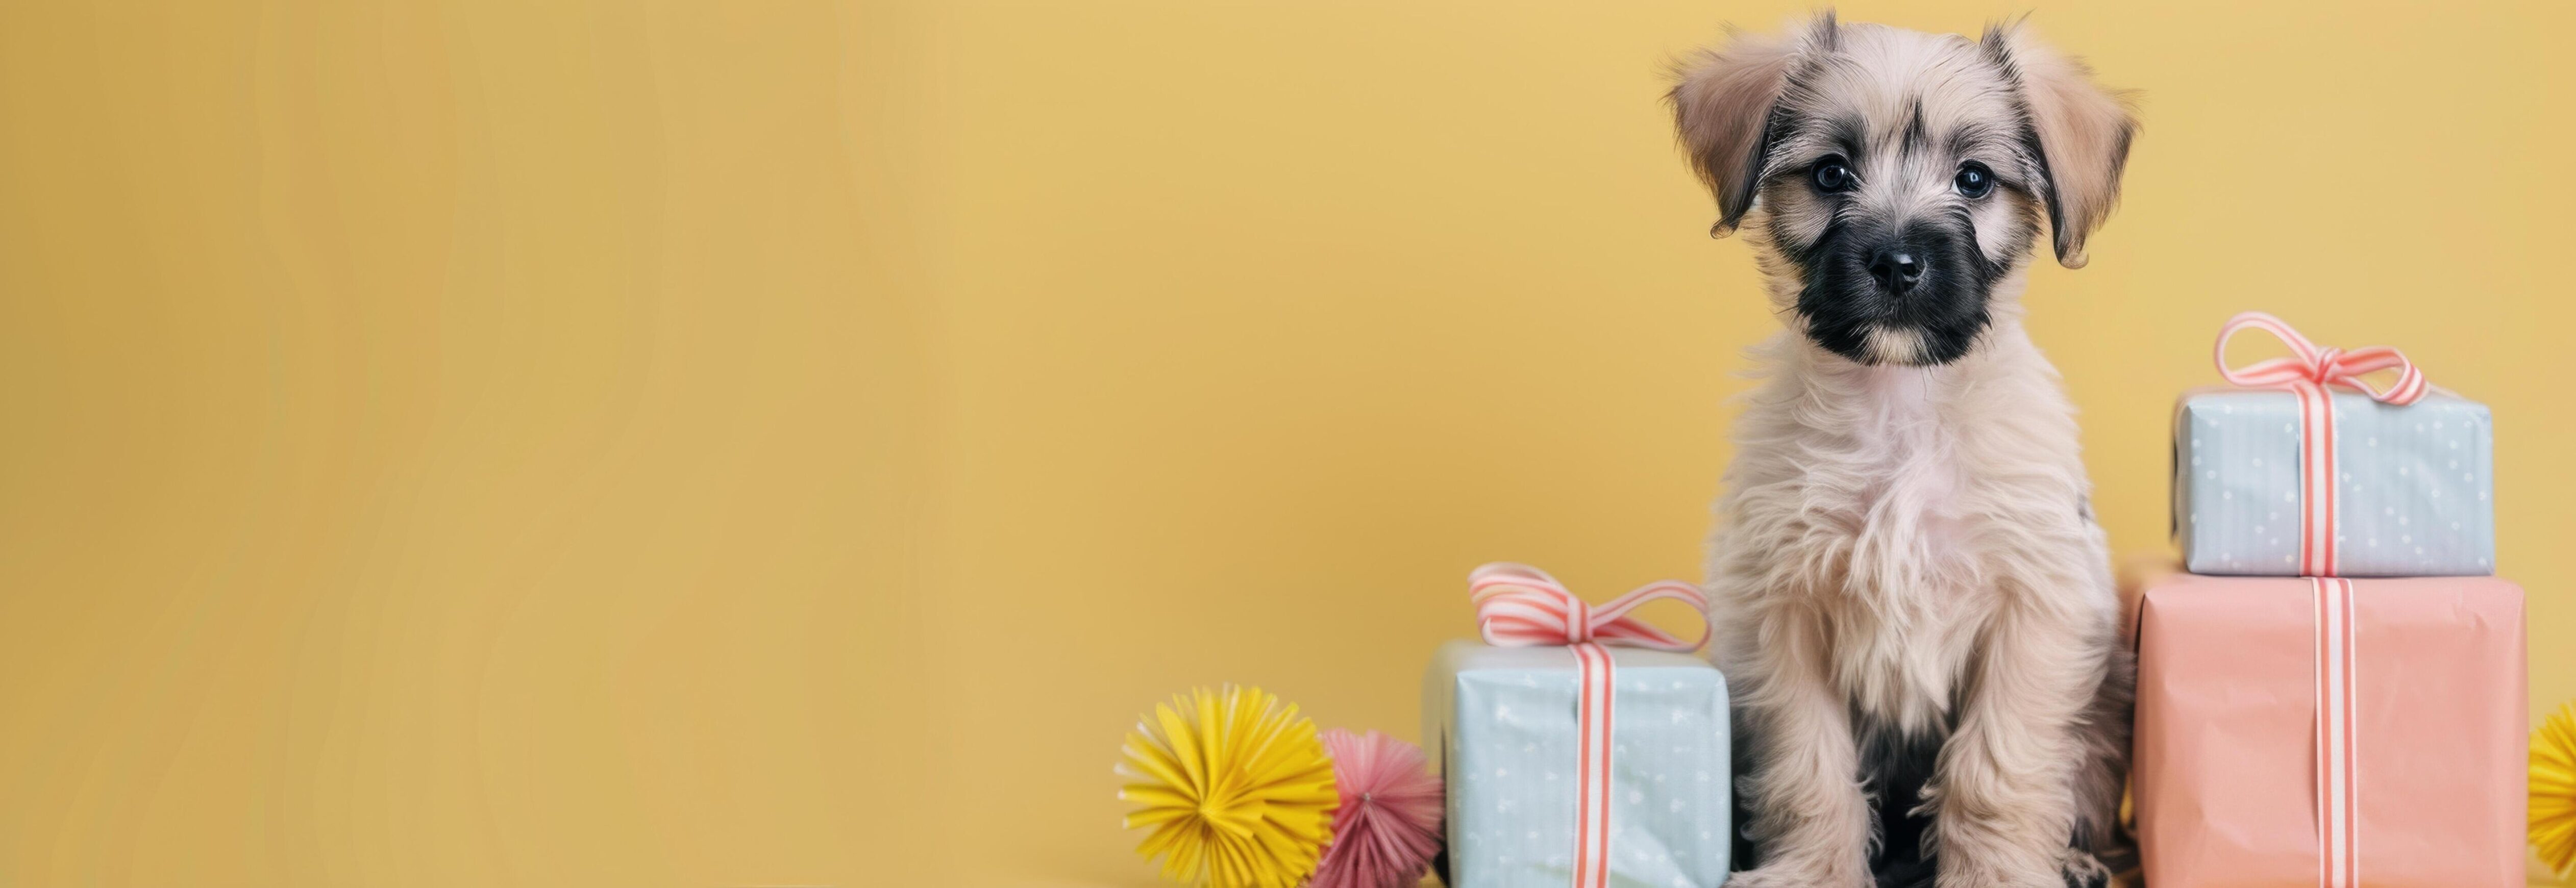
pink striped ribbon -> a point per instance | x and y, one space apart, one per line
2311 372
1521 606
2338 824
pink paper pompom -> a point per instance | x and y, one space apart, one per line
1388 826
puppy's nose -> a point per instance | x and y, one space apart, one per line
1895 269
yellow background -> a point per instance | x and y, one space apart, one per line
647 443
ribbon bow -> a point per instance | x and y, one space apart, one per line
2319 364
1521 606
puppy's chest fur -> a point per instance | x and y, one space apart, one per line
1885 514
1911 605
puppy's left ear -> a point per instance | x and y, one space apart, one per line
2082 133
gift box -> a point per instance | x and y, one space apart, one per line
2306 469
1585 764
2332 732
2413 489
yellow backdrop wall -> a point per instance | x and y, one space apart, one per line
501 443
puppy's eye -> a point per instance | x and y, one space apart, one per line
1832 174
1974 180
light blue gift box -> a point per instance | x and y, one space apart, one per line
2415 492
1501 722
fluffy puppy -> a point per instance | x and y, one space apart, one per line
1908 588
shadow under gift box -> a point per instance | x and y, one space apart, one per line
2226 773
1502 724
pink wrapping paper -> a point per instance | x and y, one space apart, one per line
2225 775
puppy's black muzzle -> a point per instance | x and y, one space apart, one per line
1925 280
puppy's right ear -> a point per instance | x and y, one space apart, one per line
1722 103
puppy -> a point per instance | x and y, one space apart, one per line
1908 588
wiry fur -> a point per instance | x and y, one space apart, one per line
1908 589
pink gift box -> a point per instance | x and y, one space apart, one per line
2420 686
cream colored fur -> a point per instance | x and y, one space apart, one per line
1892 537
1912 545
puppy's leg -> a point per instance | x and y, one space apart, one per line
2100 843
2004 800
1810 816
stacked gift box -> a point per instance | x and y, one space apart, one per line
2333 694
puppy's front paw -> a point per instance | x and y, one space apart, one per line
1969 872
2083 871
1785 876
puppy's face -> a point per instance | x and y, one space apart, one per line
1891 181
1898 187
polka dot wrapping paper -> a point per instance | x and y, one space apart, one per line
2414 486
1502 723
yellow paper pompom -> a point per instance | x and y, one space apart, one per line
1235 786
2553 790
